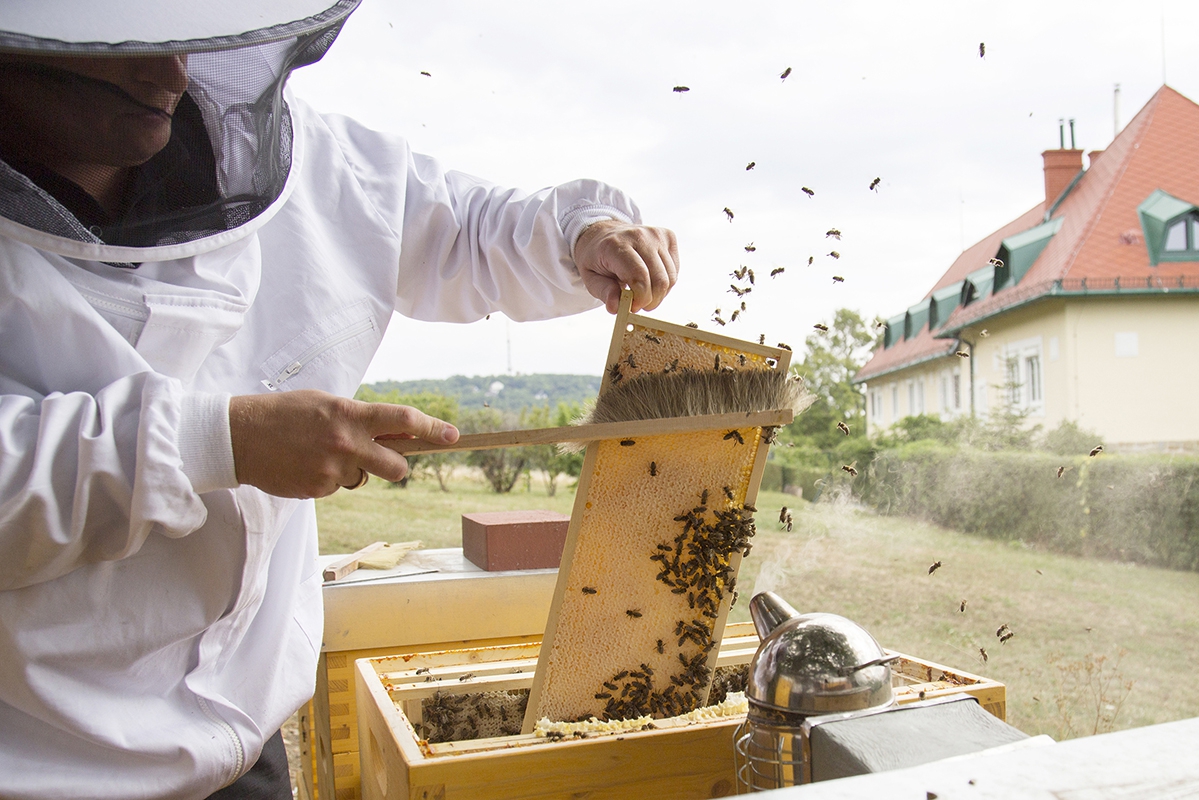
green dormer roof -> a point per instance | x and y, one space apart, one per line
1019 252
944 301
1156 213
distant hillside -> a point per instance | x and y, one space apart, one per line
503 392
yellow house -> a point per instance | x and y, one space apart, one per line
1084 308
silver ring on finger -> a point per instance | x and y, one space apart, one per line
363 477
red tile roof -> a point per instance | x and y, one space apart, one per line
1100 237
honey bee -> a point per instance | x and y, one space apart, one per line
466 676
661 647
962 354
1096 450
631 361
603 695
777 271
784 345
936 565
750 165
832 232
811 260
739 273
1001 629
423 671
749 248
681 89
486 404
982 651
734 316
588 590
1003 639
853 473
634 613
728 493
807 191
692 325
834 254
673 365
749 273
716 365
735 434
786 73
982 49
426 74
737 290
627 442
703 497
783 514
962 607
838 279
762 338
716 318
728 212
614 374
995 262
741 359
874 184
821 328
984 333
841 426
1061 471
653 469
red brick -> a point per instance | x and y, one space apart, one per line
503 540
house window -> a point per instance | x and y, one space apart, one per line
1013 383
894 402
1181 241
1032 369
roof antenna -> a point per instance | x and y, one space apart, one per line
1061 134
1072 147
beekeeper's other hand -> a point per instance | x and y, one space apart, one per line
611 255
308 443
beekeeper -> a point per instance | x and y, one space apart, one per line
196 269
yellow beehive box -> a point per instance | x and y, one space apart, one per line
673 760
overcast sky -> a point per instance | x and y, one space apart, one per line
532 94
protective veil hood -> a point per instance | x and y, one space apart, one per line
230 150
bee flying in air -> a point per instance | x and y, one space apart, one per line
785 74
681 89
737 290
982 49
1061 471
982 651
853 473
936 565
821 328
749 248
716 318
783 514
1002 629
838 279
784 345
749 273
841 426
1003 639
1096 450
962 607
762 339
807 191
962 354
426 74
811 260
834 254
735 434
874 184
735 314
728 212
984 333
777 271
833 233
750 165
995 262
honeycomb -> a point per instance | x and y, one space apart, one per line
657 541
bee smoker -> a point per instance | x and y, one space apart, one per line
808 665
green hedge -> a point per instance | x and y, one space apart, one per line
1141 508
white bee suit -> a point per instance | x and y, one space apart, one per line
157 621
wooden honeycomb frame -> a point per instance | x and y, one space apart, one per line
624 614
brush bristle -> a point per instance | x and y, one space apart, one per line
690 393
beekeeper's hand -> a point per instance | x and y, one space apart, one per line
309 444
611 255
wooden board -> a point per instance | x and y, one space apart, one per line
647 576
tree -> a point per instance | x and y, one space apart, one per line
503 466
831 359
548 458
440 465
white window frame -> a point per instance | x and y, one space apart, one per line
1021 353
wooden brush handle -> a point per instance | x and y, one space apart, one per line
593 432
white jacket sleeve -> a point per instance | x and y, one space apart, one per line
468 247
86 478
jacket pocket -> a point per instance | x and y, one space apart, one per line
339 333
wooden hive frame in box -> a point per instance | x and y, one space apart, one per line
660 523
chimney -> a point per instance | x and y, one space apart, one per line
1061 165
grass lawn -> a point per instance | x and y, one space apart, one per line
1073 619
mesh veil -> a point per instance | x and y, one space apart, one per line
230 145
